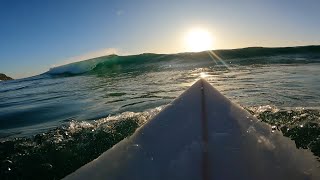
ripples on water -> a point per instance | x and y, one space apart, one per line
52 124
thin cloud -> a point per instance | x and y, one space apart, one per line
119 12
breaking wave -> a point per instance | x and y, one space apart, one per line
245 56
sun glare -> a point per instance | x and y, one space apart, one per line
198 40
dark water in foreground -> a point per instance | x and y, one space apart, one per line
53 123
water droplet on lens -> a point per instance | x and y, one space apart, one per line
7 161
47 166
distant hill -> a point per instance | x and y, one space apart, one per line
4 77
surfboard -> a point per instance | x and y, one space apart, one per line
203 135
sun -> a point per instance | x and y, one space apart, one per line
198 40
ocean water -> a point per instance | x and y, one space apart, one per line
55 122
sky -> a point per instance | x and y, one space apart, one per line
36 35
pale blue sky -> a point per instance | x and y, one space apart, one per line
35 35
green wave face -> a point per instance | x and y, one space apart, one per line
152 62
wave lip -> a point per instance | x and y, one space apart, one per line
78 67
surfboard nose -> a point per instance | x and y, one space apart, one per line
203 135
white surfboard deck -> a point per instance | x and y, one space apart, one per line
202 135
